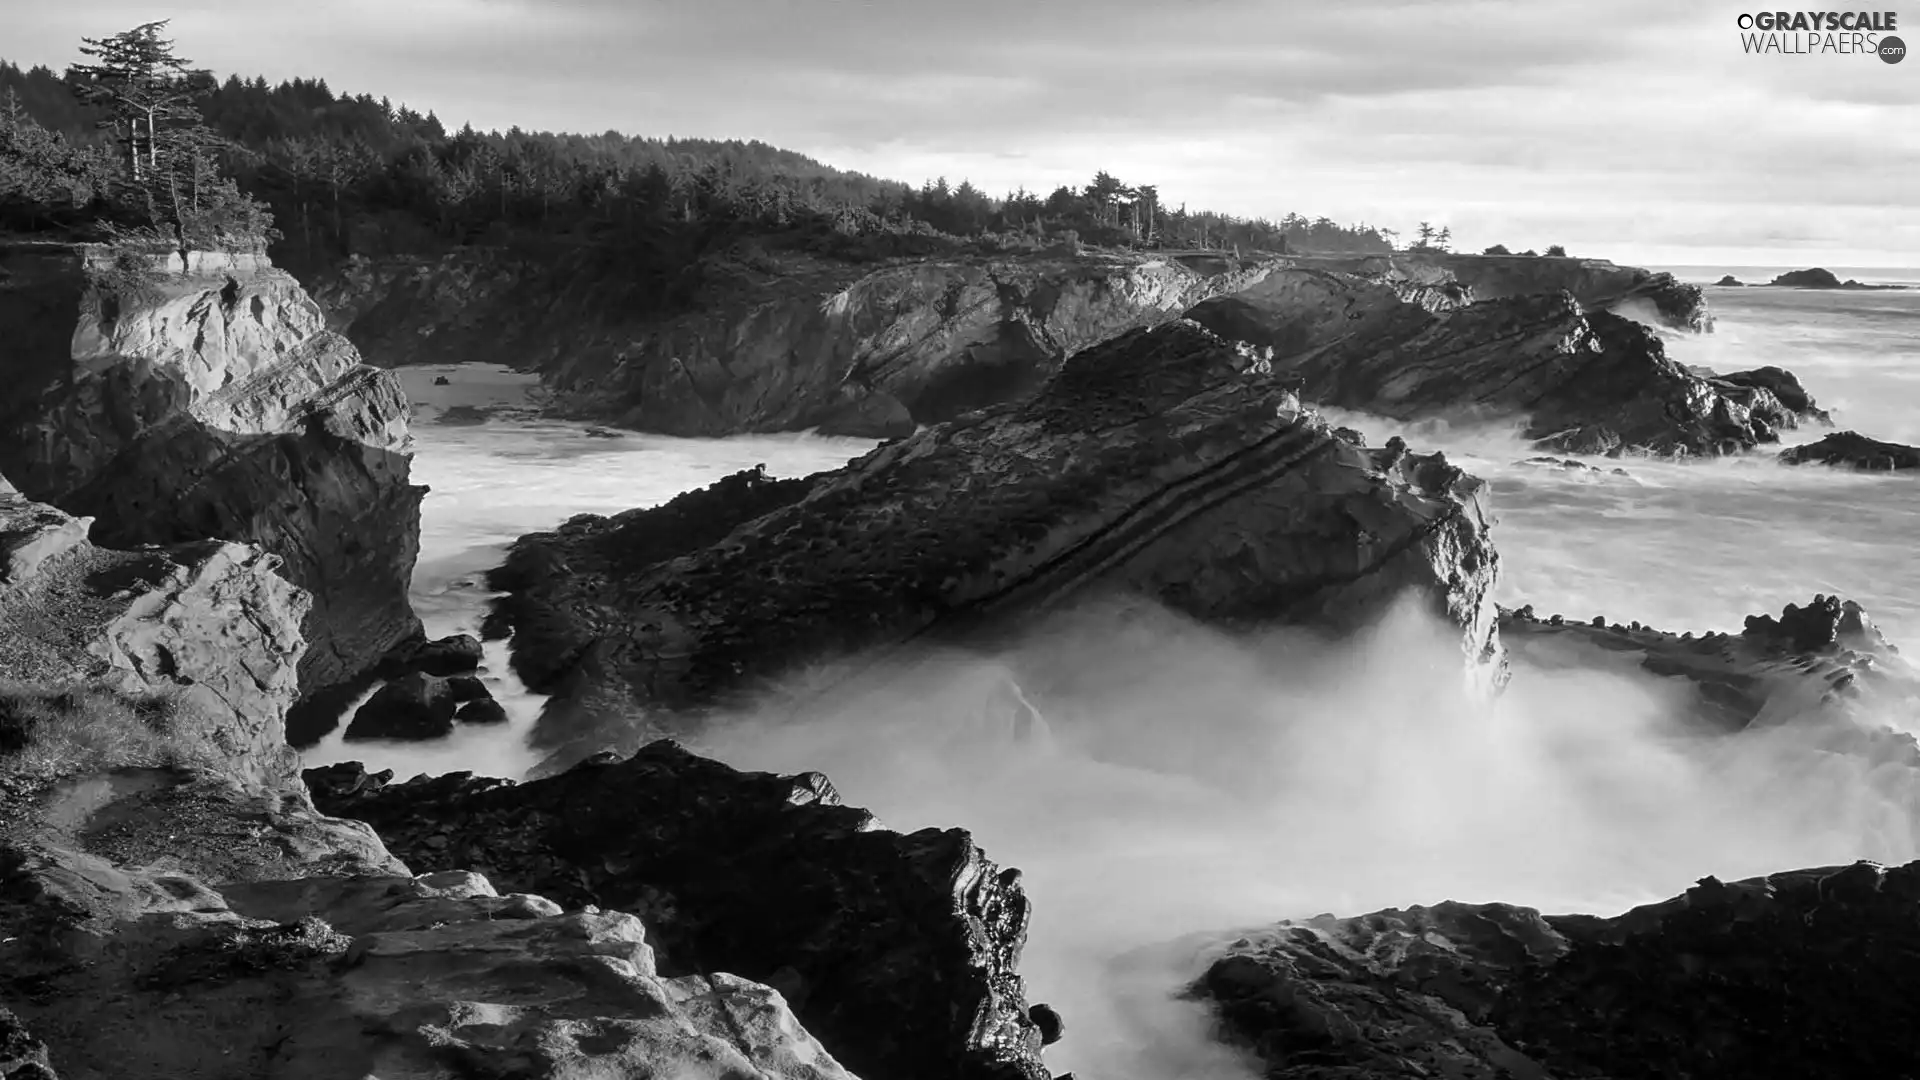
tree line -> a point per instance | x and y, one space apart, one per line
136 136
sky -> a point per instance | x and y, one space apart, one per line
1637 130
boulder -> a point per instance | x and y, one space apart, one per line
484 711
465 688
210 401
1824 656
1782 384
457 654
898 952
1796 974
412 707
1161 464
1580 382
1855 451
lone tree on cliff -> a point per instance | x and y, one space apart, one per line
1555 251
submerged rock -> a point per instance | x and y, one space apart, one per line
1796 974
1581 382
1825 654
1161 464
1854 450
898 951
412 707
213 402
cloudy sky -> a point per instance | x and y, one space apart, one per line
1631 129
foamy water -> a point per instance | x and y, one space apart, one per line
1154 780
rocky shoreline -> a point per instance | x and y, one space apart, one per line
213 491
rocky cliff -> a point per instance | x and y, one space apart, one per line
1795 975
775 345
1163 463
1655 296
179 401
1582 381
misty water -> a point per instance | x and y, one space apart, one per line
1159 785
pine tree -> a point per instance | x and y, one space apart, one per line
144 88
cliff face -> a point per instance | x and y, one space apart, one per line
1163 463
1597 284
210 401
776 347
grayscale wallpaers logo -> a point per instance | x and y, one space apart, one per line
1814 33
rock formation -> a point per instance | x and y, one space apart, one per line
1820 278
1581 382
1598 285
1163 463
775 346
1826 653
1783 385
897 951
185 401
1729 281
1854 450
1795 975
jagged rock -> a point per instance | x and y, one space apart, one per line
1854 450
1582 383
436 977
412 707
465 688
779 342
212 628
898 951
442 380
1161 463
1569 465
1796 975
1598 285
486 711
215 404
1782 384
454 655
22 1057
1825 654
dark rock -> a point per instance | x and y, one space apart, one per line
441 380
465 688
973 527
1046 1018
605 433
1795 975
1729 281
22 1057
1826 654
486 711
1589 382
1856 451
1783 385
907 944
454 655
412 707
1816 278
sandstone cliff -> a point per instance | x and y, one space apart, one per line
1795 975
208 400
1582 381
1163 463
775 346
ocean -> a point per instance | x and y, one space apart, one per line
1181 785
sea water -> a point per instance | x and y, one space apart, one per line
1161 786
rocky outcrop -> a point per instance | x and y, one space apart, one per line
898 951
187 401
1729 281
1580 382
1809 659
1855 451
1164 463
776 343
210 629
1598 285
1797 974
1820 278
1783 385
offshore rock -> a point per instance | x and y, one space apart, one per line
1794 975
1163 464
211 401
212 628
415 706
437 977
1782 384
1580 382
1855 451
778 341
1812 660
898 951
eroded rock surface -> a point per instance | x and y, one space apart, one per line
898 951
1802 974
1825 653
214 403
1580 381
1856 451
1163 463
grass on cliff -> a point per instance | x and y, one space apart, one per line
47 734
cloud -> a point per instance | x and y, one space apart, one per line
1628 123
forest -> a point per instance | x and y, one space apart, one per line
318 175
